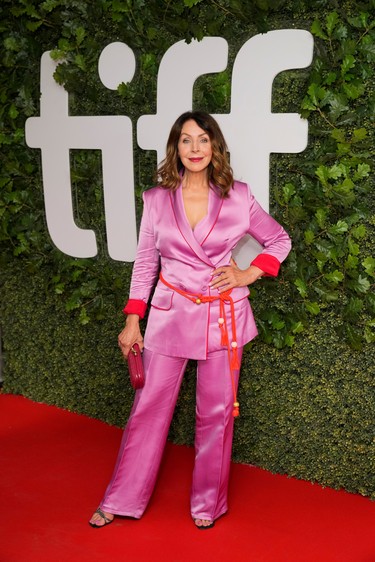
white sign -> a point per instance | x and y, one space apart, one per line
252 131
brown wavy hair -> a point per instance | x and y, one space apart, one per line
219 171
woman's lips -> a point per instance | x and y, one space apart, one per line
195 159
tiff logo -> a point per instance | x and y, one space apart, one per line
251 129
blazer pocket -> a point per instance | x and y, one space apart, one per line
240 293
162 299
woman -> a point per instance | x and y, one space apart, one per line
200 310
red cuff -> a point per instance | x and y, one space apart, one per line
135 306
267 263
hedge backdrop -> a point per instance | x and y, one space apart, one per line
307 390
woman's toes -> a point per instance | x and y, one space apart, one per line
97 520
203 523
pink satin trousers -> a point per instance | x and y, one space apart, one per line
145 435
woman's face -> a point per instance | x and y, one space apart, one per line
194 147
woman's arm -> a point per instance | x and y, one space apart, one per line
276 246
144 275
271 235
146 265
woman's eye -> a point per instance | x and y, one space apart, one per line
204 140
185 141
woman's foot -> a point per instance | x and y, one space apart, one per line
101 519
204 523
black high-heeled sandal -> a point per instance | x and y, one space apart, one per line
107 520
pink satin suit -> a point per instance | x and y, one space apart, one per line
178 330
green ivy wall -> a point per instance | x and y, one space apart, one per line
307 389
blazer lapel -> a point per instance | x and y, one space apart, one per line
203 229
205 226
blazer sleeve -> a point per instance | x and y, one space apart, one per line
271 235
146 266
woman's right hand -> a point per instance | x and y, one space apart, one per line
130 335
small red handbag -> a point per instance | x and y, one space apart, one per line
135 366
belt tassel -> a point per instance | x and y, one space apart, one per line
234 363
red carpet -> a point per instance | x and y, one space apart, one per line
55 466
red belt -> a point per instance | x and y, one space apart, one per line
224 298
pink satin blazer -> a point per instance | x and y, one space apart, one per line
176 326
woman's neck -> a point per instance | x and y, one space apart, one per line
195 181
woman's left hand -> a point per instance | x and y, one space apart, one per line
230 276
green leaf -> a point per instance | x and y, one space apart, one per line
359 231
191 3
368 50
59 288
323 174
331 21
363 171
301 287
49 5
359 21
343 149
353 247
278 340
353 337
309 236
326 294
312 307
34 25
307 104
369 335
347 63
279 325
57 54
275 321
288 191
73 302
316 93
369 265
359 134
13 111
83 316
289 340
80 61
361 284
298 327
120 6
339 228
338 105
353 91
321 216
148 61
370 299
316 29
65 45
345 187
334 277
330 78
338 134
123 89
351 262
11 44
336 171
353 308
341 32
152 32
80 34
